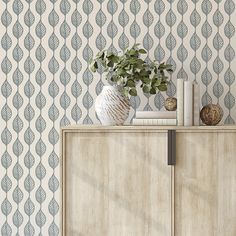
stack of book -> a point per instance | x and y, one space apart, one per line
188 103
188 108
155 118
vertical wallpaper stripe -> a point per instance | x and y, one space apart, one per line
46 82
53 135
229 54
6 136
17 122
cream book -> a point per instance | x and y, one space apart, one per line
180 101
188 103
196 104
154 121
155 114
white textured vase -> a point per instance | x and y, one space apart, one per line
111 106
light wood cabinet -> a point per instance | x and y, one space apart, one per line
205 184
116 181
113 180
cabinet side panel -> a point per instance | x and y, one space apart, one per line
117 184
205 183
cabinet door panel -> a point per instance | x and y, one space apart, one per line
205 184
116 184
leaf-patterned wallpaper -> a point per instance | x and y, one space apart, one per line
46 82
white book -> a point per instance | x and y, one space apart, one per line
180 101
154 121
155 114
188 103
196 104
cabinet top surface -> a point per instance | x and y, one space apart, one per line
100 128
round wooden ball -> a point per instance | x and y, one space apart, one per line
171 104
211 114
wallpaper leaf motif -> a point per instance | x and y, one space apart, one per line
46 82
170 42
6 137
229 53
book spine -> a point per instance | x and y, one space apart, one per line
196 104
180 102
168 122
155 115
188 103
154 122
137 122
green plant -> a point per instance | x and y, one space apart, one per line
129 69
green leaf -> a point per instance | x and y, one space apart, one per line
130 83
116 59
168 66
109 54
126 92
136 45
157 83
110 64
152 91
143 73
142 51
131 61
170 70
162 87
113 58
100 54
120 72
132 52
146 89
133 92
162 64
115 78
146 80
94 67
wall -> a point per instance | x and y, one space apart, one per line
45 81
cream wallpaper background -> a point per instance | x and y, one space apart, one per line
45 82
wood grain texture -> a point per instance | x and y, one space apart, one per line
116 184
154 128
205 184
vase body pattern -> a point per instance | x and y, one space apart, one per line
111 106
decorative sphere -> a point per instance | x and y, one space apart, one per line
211 114
171 104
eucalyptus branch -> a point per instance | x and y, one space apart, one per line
128 70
